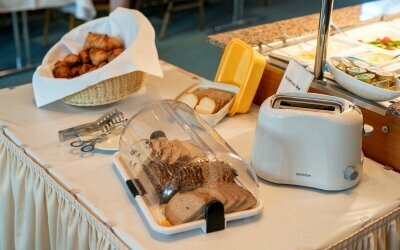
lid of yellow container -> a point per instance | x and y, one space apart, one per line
241 66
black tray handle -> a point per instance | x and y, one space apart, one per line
215 217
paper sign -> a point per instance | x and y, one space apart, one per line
296 79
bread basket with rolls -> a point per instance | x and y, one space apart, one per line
99 62
181 173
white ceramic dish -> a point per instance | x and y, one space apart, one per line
151 213
361 88
336 47
213 119
111 143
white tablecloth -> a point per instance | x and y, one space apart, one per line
82 9
293 217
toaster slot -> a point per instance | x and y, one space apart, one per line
307 105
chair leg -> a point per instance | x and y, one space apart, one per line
46 27
167 16
138 4
161 7
201 14
71 22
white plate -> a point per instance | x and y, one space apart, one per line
111 143
361 88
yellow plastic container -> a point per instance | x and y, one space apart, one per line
243 67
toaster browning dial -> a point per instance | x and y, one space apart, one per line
350 173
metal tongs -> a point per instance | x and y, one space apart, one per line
88 145
109 119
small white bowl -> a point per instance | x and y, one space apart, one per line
213 119
361 88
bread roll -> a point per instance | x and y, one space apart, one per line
190 99
206 106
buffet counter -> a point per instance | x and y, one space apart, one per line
281 36
305 27
53 196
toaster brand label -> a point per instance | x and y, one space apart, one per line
302 174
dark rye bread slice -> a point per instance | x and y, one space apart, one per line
159 174
190 177
216 172
168 179
186 207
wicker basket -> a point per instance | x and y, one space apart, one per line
108 91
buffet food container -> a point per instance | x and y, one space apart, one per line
182 174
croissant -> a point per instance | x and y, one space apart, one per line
85 68
114 43
84 56
61 64
72 59
61 72
90 38
113 54
75 71
98 51
102 64
103 42
97 56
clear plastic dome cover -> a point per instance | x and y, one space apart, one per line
181 164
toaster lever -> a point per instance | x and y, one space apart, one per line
367 130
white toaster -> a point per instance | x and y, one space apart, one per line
309 140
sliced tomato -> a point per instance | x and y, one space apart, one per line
386 40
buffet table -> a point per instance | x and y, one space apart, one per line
54 196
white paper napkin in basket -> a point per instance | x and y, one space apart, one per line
140 54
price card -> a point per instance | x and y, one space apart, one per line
296 79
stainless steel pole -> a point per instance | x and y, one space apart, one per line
17 40
322 40
25 32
